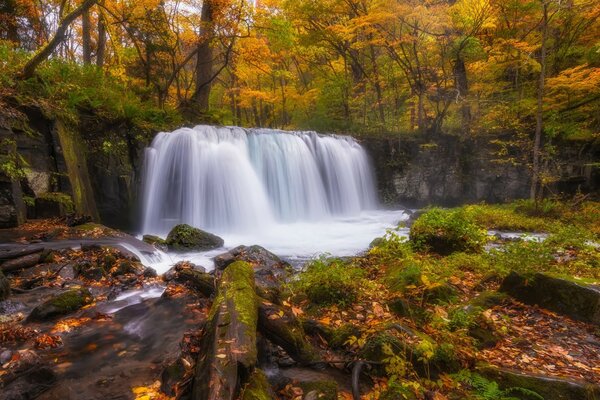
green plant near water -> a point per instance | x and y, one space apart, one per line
521 256
484 389
331 281
447 231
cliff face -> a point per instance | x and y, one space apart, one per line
95 161
98 161
448 170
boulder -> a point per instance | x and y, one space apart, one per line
4 287
184 237
26 376
156 241
576 300
88 270
61 304
550 388
269 270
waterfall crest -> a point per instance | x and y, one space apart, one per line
228 179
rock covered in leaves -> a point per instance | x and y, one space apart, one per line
61 304
184 237
578 301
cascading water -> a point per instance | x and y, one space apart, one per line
228 179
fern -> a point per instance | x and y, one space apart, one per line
485 389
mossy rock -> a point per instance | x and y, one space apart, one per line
257 388
125 267
405 308
576 300
61 304
322 390
156 241
488 299
89 271
4 287
184 237
440 294
550 388
55 204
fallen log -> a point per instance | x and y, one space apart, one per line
228 350
11 254
23 262
258 387
281 327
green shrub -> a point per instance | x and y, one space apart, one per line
542 208
570 237
521 256
331 281
504 217
400 278
447 231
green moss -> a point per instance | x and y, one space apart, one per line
237 289
326 390
447 231
184 237
151 239
257 388
62 198
61 304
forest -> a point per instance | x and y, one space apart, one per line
300 199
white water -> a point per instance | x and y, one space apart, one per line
298 194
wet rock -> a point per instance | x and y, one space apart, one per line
61 304
5 356
187 274
258 387
77 219
171 376
549 388
89 271
322 390
156 241
26 377
186 238
4 287
125 267
269 270
576 300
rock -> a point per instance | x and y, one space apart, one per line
74 219
158 242
576 300
89 271
270 271
187 274
322 390
51 205
171 376
186 238
442 293
125 267
23 262
258 387
4 287
61 304
26 377
549 388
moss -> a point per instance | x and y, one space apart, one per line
326 390
155 240
237 290
488 299
447 231
61 198
75 159
184 237
62 304
373 349
257 388
440 293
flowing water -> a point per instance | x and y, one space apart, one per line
299 194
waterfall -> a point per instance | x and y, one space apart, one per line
229 179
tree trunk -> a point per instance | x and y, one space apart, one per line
21 263
462 86
539 121
199 101
45 52
86 37
101 46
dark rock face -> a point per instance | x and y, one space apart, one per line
269 269
4 287
184 237
62 304
28 379
578 301
447 170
